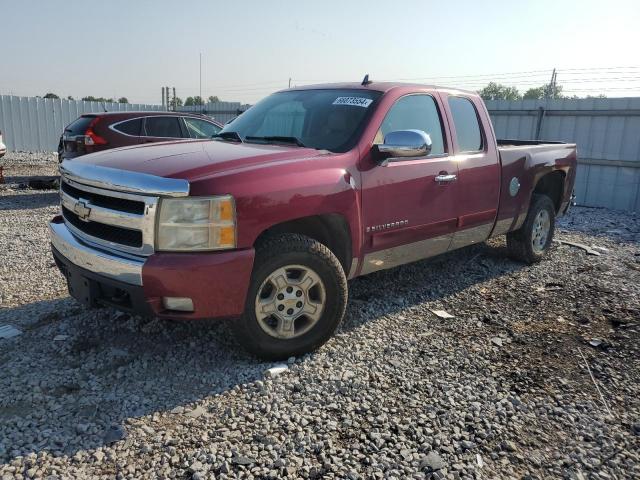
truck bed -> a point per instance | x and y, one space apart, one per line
539 152
520 143
538 158
512 150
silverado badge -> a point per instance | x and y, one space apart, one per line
387 226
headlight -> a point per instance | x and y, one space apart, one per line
197 223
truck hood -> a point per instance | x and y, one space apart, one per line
191 160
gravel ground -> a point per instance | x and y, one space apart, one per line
502 390
17 167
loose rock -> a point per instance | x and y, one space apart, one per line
396 393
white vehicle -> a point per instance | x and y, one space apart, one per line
3 147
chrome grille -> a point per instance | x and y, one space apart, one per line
109 219
113 203
124 236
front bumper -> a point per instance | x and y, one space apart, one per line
217 282
121 269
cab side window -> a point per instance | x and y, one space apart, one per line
414 112
467 126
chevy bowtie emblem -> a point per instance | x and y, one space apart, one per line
81 209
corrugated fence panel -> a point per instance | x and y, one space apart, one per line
35 124
606 130
223 112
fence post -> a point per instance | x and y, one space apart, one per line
541 112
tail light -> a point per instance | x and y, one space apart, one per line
91 137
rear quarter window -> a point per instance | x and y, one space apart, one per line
465 119
129 127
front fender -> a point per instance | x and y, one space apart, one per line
270 194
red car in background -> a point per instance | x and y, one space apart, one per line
94 132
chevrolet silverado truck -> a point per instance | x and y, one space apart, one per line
309 188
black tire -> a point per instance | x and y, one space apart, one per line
277 252
520 243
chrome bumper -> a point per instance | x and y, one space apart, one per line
97 261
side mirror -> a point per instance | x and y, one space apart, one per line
404 143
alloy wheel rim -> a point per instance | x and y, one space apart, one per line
290 301
541 228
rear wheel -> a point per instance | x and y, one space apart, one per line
296 300
533 239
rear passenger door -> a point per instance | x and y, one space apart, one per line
161 129
478 183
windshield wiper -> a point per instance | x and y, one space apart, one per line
235 136
278 139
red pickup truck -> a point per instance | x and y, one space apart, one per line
309 188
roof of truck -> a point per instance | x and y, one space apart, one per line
377 86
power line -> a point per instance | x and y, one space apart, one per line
479 77
600 68
603 90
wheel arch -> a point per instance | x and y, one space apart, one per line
551 184
332 230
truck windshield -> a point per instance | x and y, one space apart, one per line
324 119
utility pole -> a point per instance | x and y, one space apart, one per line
551 89
174 99
200 82
289 82
163 105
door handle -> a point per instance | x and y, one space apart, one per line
445 178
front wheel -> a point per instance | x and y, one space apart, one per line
296 300
533 239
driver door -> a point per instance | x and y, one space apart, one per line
409 211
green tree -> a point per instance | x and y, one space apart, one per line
497 91
191 101
544 91
70 98
91 98
177 102
51 95
213 99
123 100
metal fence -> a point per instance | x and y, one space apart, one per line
606 130
220 111
35 124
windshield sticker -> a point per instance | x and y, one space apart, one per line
353 101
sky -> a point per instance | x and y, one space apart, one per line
115 48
